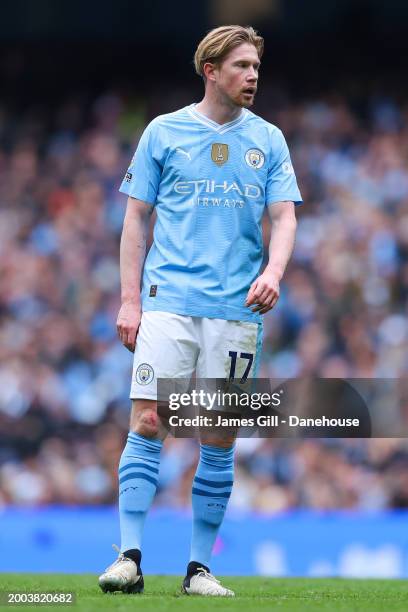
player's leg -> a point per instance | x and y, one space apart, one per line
211 490
138 477
138 473
225 345
163 350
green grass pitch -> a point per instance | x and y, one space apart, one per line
252 593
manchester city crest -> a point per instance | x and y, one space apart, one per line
255 158
219 153
144 374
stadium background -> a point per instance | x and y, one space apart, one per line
79 81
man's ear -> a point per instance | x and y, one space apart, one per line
209 69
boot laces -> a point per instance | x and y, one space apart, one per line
203 572
120 559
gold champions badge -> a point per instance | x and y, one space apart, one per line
219 153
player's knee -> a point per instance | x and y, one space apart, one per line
148 423
145 422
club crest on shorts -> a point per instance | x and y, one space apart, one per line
144 374
219 153
255 158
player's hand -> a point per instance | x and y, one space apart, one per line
128 324
264 292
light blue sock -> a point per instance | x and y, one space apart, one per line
138 475
212 486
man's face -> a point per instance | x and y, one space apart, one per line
236 78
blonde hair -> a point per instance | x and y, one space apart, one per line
220 41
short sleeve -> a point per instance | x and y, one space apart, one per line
142 178
281 182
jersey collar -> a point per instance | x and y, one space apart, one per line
220 129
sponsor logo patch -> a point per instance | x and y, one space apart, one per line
287 168
153 291
128 177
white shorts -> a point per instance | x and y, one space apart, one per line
173 346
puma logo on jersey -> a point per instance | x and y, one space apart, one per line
183 152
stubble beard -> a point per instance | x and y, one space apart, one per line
246 101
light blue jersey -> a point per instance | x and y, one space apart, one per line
210 184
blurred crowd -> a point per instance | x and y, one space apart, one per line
64 376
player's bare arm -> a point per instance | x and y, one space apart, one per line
264 291
132 255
